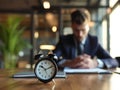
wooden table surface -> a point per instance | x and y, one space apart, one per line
71 82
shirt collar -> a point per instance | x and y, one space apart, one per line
82 42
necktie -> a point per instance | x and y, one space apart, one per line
79 49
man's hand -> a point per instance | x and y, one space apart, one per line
87 62
82 61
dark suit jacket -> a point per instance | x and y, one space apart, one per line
66 48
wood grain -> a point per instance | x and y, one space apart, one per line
71 82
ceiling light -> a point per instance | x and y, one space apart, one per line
54 28
46 4
36 34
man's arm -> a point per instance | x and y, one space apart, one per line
105 57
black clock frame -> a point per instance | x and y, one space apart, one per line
51 60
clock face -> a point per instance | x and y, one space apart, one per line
45 70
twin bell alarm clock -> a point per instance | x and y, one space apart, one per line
46 67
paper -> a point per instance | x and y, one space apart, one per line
95 70
31 74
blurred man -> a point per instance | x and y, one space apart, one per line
80 49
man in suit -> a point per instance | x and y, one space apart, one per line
80 49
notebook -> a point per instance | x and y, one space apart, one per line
95 70
31 74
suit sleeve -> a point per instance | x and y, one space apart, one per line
108 61
59 48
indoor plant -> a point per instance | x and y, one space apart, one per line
11 41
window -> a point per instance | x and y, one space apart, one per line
115 32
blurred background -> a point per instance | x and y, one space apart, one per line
46 20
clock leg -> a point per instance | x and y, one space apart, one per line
53 81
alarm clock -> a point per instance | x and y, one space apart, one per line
46 67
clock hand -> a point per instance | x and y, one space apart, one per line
42 67
49 67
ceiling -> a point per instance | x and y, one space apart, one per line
29 4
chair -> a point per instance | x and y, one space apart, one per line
118 59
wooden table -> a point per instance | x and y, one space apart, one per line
71 82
